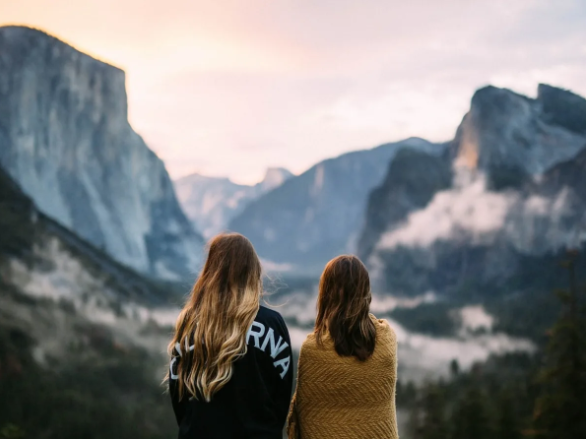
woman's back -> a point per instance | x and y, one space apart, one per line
229 374
254 403
347 370
343 397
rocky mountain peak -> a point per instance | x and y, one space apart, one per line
508 133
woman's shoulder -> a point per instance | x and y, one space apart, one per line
310 341
270 317
266 313
384 328
310 345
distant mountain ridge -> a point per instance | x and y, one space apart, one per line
66 140
211 202
315 216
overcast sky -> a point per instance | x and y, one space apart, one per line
230 87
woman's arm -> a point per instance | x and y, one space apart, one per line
179 406
285 379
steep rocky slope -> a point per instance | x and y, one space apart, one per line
43 259
211 202
66 140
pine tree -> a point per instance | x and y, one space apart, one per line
454 368
470 418
560 413
507 425
413 426
433 421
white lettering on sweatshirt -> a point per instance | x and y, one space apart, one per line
257 331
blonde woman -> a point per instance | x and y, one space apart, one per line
348 366
230 373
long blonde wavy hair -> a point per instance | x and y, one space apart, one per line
210 333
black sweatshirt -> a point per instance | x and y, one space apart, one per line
255 402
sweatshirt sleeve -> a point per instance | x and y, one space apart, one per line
179 407
285 381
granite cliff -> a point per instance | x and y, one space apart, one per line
65 138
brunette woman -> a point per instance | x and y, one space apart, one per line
348 366
230 374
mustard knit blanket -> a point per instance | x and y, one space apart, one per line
342 397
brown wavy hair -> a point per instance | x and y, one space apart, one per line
343 308
210 332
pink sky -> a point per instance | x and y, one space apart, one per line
230 87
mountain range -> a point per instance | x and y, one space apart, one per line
494 191
318 214
394 204
56 287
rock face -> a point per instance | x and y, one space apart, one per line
66 140
211 202
516 199
318 214
510 136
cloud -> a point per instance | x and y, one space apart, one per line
468 210
475 317
532 224
422 356
538 224
384 304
